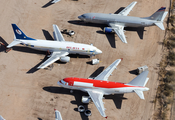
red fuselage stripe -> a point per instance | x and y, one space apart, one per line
97 83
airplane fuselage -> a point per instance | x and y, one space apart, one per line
105 87
70 47
126 21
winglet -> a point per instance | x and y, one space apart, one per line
106 117
121 58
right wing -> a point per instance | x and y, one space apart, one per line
127 9
54 57
57 34
119 31
107 72
97 99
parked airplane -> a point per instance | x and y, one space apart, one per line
117 22
100 86
57 115
59 48
55 1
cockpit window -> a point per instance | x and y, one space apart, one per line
63 82
83 16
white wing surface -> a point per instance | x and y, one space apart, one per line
119 31
57 34
54 57
97 99
55 1
127 9
107 72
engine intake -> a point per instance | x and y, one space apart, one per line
85 99
65 59
87 113
108 30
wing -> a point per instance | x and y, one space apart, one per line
54 57
119 31
107 72
55 1
57 34
127 9
97 99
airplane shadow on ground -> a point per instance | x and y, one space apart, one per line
30 50
133 72
97 72
47 35
48 4
2 48
76 93
117 98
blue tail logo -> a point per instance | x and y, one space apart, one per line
19 34
18 31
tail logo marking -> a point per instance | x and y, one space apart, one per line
18 31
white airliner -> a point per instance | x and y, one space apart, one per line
117 22
100 86
59 48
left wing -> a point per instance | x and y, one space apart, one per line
107 72
57 34
119 31
97 99
54 57
127 9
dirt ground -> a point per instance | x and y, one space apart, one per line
30 94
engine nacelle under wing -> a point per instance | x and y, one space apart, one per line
85 99
108 30
65 59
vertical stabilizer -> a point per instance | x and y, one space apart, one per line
19 34
159 15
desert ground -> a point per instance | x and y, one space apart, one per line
31 94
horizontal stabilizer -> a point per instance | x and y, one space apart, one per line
160 25
139 93
13 44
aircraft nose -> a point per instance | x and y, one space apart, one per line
99 51
80 17
59 82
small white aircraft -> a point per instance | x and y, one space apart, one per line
57 115
100 86
59 48
55 1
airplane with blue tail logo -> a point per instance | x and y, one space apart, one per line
59 48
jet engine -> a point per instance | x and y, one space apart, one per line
85 99
87 113
65 59
108 30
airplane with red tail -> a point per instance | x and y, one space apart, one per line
99 86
